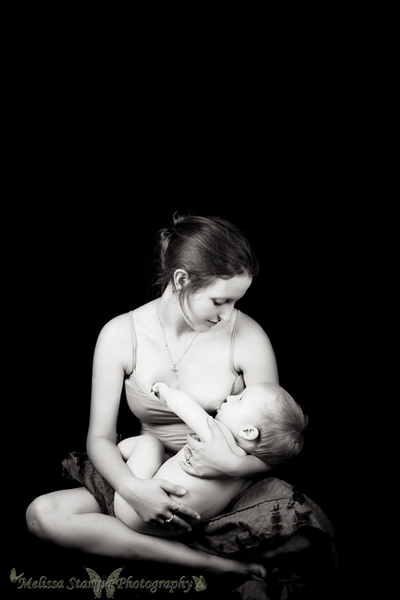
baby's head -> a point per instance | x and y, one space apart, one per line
265 421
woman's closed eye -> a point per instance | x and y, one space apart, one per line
227 301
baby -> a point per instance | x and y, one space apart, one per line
264 420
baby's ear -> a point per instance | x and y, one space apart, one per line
249 433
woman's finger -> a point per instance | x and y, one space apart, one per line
186 510
192 442
188 469
171 488
174 507
174 519
177 523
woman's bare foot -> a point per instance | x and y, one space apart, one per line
220 565
296 543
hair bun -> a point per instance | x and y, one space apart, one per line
208 248
177 218
164 237
166 234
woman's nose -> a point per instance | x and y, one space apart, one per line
226 313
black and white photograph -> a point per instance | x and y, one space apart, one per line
181 370
179 423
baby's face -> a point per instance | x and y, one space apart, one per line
238 411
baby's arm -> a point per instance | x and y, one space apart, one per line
186 408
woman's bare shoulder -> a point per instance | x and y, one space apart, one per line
121 325
116 339
247 328
253 351
117 327
120 330
145 311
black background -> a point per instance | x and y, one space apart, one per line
84 265
94 175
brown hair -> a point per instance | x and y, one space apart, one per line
207 248
282 430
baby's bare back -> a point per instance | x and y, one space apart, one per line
207 496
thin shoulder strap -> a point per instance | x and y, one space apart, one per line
134 341
232 345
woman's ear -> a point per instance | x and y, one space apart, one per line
181 278
249 433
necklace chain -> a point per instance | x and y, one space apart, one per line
174 363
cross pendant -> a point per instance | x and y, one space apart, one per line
174 370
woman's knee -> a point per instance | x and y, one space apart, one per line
48 516
40 516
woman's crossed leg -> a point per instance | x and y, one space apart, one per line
72 519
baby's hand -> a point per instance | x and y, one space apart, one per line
157 388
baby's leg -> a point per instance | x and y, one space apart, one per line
127 446
145 455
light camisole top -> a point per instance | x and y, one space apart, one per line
157 418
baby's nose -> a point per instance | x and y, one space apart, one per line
230 399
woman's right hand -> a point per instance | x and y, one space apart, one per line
150 499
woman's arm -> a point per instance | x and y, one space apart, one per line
255 358
253 353
112 360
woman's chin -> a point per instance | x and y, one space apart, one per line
211 324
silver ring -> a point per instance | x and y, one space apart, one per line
170 519
178 507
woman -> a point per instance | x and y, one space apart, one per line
193 338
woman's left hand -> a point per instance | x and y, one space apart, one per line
209 460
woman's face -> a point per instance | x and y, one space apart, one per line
207 308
